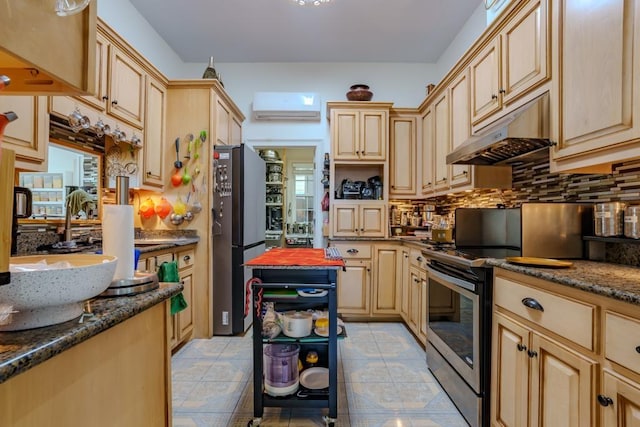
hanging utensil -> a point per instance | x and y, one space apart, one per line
186 178
177 163
189 146
202 140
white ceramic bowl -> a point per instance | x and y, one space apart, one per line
51 296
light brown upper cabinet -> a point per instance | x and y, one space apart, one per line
428 147
28 136
359 133
402 155
596 95
154 134
46 54
119 82
511 64
460 124
228 122
364 219
442 141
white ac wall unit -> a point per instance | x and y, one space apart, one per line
286 106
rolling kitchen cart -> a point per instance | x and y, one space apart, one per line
280 276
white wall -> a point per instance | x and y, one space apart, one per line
134 28
472 29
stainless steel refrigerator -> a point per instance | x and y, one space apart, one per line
238 233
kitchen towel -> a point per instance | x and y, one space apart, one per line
117 238
168 272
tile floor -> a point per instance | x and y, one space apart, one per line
383 380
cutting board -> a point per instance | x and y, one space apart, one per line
538 262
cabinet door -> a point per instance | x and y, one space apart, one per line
414 299
345 135
28 136
524 51
460 125
223 136
236 131
428 150
353 292
402 156
372 221
485 82
442 141
625 409
154 137
509 373
98 99
562 385
373 135
406 277
424 307
595 85
345 220
185 317
387 281
126 93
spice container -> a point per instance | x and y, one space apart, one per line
631 226
609 219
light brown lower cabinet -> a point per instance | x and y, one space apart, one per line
181 324
369 286
537 381
121 376
562 356
414 289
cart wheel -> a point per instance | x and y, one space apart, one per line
254 422
329 422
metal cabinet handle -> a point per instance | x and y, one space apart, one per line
407 256
105 98
521 347
416 280
532 353
532 304
352 251
494 96
604 400
419 259
638 349
186 258
114 102
502 91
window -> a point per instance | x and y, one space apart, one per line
303 195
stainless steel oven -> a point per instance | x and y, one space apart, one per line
459 334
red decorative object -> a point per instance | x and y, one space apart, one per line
359 92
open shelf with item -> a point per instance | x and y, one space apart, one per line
279 286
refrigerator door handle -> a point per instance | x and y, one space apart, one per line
216 227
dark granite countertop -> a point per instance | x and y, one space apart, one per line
616 281
152 245
22 350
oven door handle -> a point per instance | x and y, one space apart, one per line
454 280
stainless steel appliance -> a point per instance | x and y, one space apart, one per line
238 233
520 135
460 289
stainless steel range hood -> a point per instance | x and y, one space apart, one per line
522 135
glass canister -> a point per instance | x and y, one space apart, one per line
631 226
281 369
609 219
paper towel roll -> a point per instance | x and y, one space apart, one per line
117 238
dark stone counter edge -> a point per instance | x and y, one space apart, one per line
147 248
552 276
38 345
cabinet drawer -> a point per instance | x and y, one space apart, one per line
185 259
566 317
353 250
159 259
417 259
622 340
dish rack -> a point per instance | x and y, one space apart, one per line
280 286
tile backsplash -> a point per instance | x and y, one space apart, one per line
533 182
